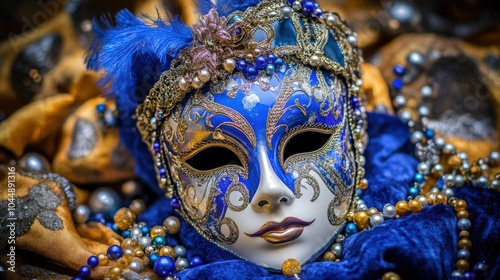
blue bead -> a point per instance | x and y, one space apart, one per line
77 278
241 65
351 228
399 70
469 275
419 178
145 230
126 233
271 58
261 62
152 258
164 266
308 7
233 19
318 13
279 63
397 84
115 227
413 192
159 242
175 203
360 192
93 261
114 252
196 261
84 271
270 69
463 254
251 72
429 133
163 172
463 224
290 2
101 108
156 147
439 184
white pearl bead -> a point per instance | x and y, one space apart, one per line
287 12
353 40
376 220
197 83
204 75
314 60
331 19
229 64
135 266
183 84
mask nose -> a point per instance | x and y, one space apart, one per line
272 192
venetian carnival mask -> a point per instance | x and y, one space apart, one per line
257 130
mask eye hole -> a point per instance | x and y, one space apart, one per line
305 142
212 158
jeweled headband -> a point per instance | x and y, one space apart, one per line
247 42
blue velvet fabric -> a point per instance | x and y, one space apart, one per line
416 246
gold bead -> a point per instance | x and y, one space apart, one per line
372 211
128 254
361 219
329 256
121 263
402 208
138 253
115 272
430 198
137 206
172 224
124 218
463 234
462 214
464 243
415 206
167 251
476 171
157 231
128 243
363 184
350 216
454 161
249 57
390 276
460 205
290 267
440 199
103 259
462 265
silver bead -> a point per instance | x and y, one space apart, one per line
426 91
463 254
416 137
416 59
406 13
136 233
153 122
494 158
449 149
423 200
361 207
204 75
466 166
104 200
149 250
336 248
297 6
340 238
35 162
376 220
197 83
180 251
463 156
286 12
330 19
144 242
448 192
439 142
449 180
457 274
314 60
362 160
389 211
463 224
484 167
438 168
183 84
459 181
494 184
229 64
405 116
423 168
399 101
81 214
135 266
359 82
423 111
352 39
181 264
482 182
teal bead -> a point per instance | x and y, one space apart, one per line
159 242
270 69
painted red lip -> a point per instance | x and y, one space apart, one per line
287 230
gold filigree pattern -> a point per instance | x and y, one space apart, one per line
311 181
233 231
